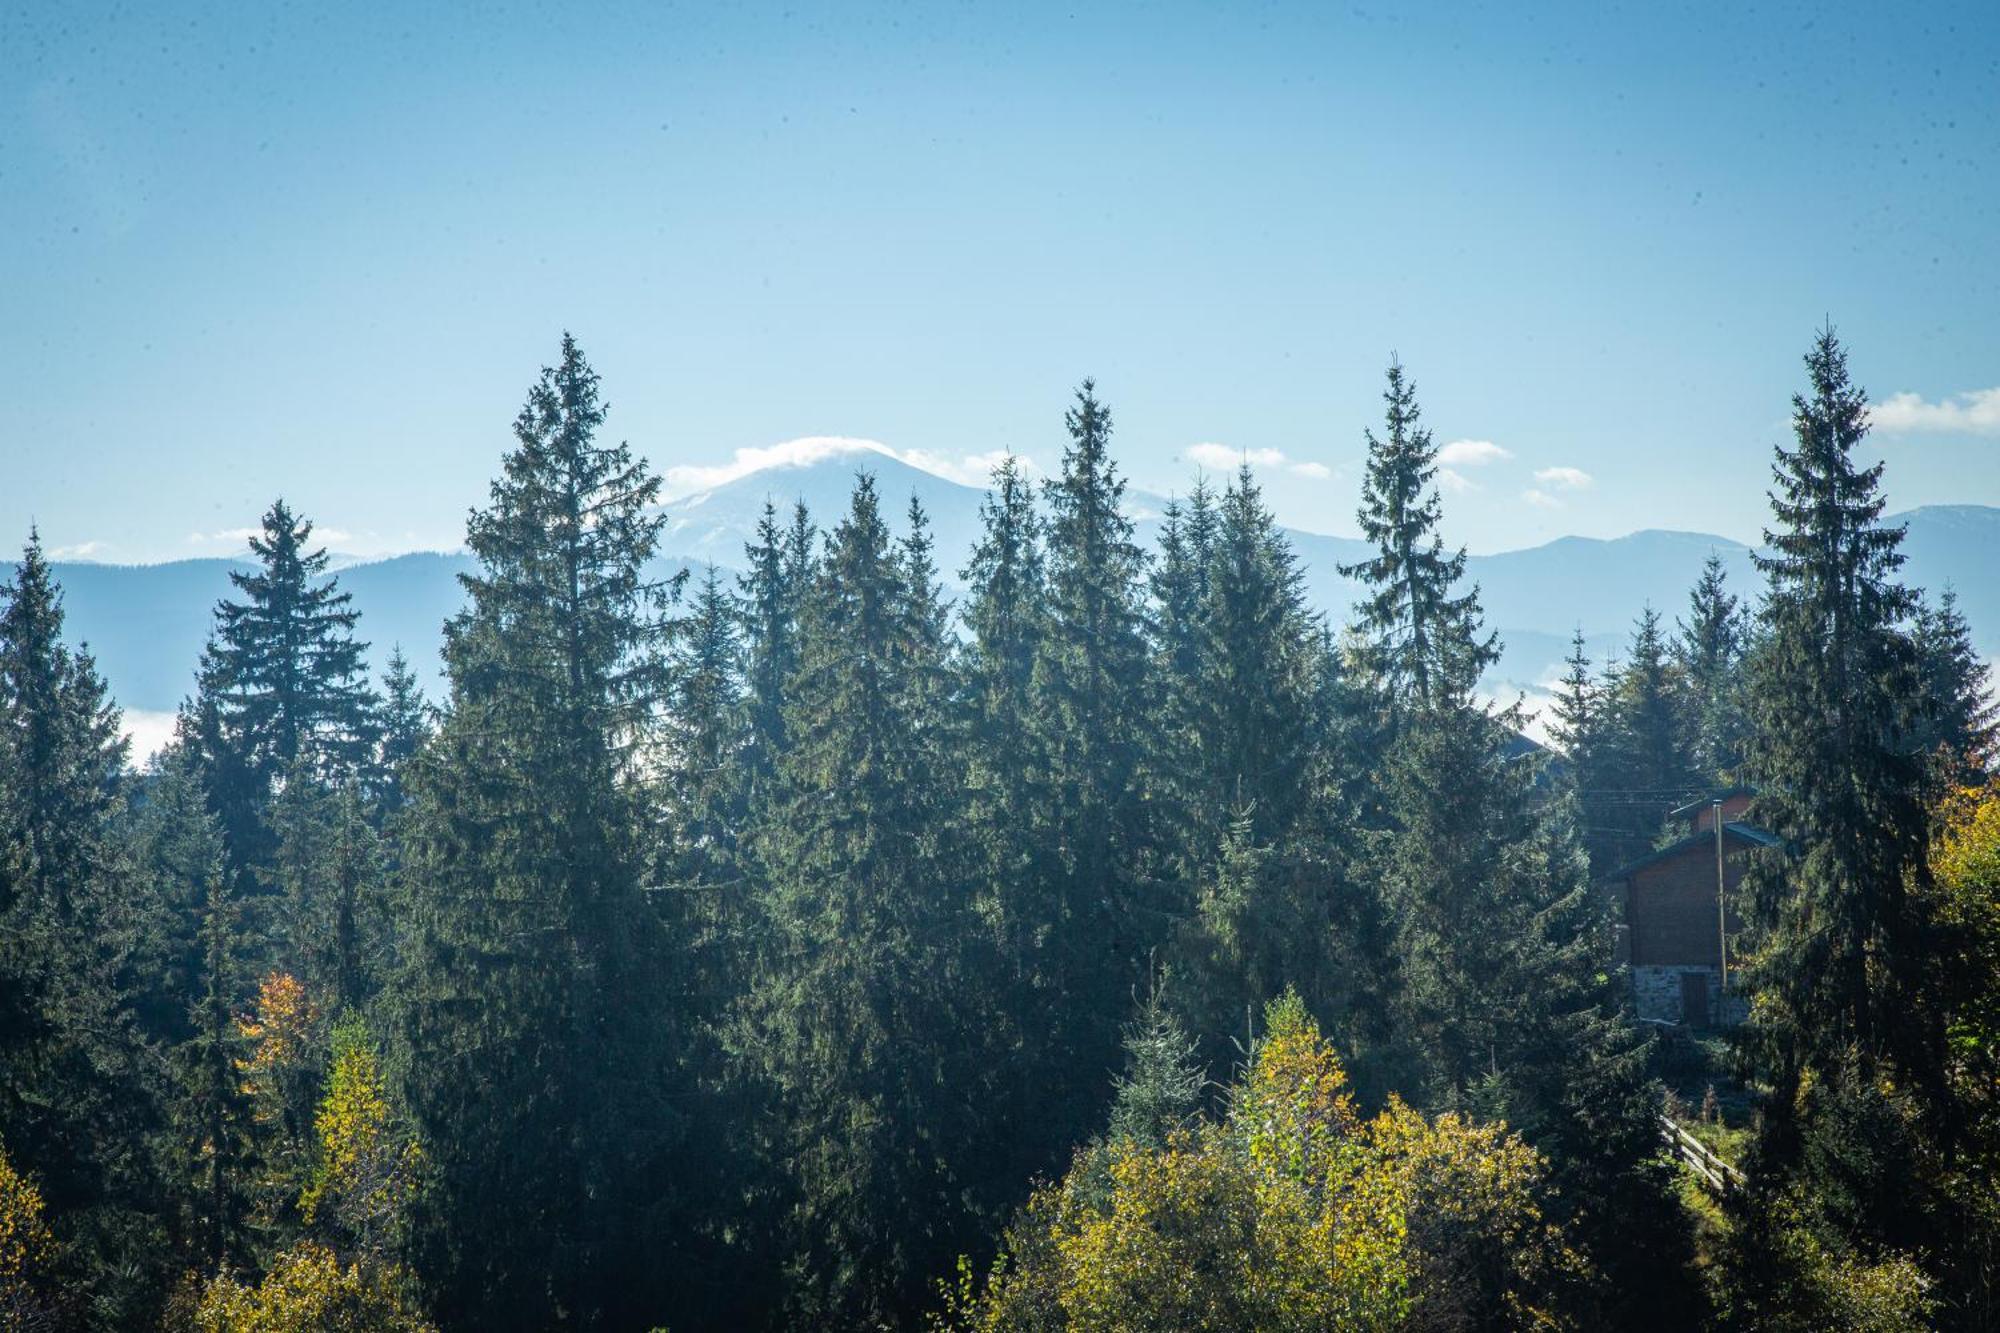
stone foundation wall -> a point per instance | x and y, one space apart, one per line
1656 994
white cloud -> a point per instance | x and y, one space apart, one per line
1472 453
1973 413
80 551
1565 478
1227 458
148 732
967 469
229 537
1455 481
1541 499
801 452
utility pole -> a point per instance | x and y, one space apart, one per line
1721 905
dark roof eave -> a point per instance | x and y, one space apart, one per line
1748 834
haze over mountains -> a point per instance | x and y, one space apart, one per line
147 623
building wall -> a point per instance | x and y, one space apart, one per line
1734 807
1670 909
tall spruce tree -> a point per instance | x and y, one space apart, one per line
1847 1030
780 571
405 721
1958 725
288 673
1189 811
1503 1003
80 1094
1418 634
1010 815
1841 940
854 1022
1090 691
1709 653
1645 771
532 1039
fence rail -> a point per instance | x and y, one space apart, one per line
1716 1175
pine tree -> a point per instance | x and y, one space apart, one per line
531 1037
781 565
855 1023
1260 666
1847 1016
1090 696
1502 1003
1840 941
328 870
705 734
1709 653
196 960
288 673
405 722
1419 636
79 1092
1644 768
1189 809
1959 723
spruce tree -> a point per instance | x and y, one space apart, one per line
1259 659
1503 1003
1841 940
531 1037
704 737
1010 816
1709 654
1189 809
1419 635
1959 722
288 674
405 720
1090 691
780 570
80 1093
1645 770
328 871
855 1022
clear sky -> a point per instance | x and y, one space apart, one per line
268 248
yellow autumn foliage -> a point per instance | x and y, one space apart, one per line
367 1168
25 1243
279 1032
308 1290
1290 1214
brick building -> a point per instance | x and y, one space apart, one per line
1670 906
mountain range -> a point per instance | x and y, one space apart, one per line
146 623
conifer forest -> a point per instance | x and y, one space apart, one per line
1118 943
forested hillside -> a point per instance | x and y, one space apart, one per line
1066 927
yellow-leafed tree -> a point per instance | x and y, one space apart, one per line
309 1290
1291 1213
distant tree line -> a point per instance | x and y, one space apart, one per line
1122 946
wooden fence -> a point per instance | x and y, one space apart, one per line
1717 1176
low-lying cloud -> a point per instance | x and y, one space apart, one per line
1565 478
966 469
1472 453
1227 458
1973 413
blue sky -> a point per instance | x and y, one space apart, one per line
267 248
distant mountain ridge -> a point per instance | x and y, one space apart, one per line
147 623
